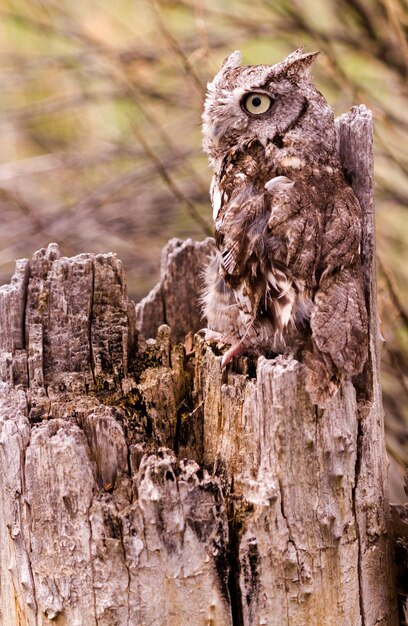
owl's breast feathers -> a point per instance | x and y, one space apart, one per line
266 236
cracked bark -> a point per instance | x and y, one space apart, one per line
141 485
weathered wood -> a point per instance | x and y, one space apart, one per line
399 514
143 485
96 516
293 473
371 492
175 300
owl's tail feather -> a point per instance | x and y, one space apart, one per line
323 378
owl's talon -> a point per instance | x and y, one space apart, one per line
236 350
210 335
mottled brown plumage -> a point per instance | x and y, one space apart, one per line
287 275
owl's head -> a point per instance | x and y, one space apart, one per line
276 104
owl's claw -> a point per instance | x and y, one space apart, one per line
235 350
210 335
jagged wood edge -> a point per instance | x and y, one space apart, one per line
355 136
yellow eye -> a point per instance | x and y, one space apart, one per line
257 103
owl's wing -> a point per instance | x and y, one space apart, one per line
342 232
339 318
339 335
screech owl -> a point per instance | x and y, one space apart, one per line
287 274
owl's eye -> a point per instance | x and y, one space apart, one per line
257 103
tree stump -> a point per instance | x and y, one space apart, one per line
141 485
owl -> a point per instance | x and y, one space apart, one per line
286 276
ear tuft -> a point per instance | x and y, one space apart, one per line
298 62
233 60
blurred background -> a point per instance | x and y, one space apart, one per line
100 131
